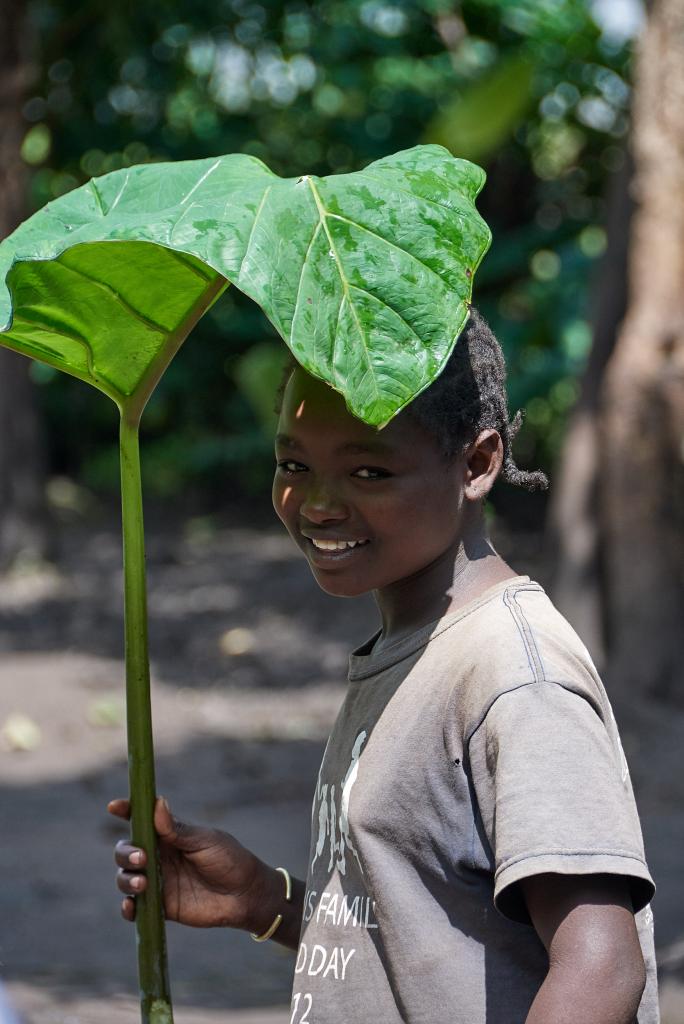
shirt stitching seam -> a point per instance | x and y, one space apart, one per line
381 667
526 635
622 855
544 681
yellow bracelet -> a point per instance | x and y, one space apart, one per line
278 918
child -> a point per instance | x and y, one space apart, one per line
476 853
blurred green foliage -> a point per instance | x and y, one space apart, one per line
530 89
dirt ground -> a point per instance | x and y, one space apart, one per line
248 660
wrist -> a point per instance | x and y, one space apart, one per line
266 899
278 919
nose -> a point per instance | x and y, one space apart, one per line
321 504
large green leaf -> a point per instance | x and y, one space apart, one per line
367 276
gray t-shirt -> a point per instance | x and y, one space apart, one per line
478 751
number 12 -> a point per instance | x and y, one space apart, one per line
304 1019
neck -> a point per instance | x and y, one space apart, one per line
459 575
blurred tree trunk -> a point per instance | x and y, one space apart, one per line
643 396
574 534
23 518
618 504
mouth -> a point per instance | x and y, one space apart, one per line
327 552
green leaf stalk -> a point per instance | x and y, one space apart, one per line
153 975
155 996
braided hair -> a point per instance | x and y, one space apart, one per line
469 396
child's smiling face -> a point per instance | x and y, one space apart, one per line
389 494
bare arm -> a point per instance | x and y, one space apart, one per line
596 970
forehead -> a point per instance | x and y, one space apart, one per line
313 412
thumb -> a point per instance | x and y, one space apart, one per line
171 830
165 824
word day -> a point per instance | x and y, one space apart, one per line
340 910
318 960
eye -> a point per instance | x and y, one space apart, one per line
290 467
371 473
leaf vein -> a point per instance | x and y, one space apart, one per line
61 333
120 192
301 276
201 180
396 312
254 224
333 354
323 214
399 248
118 298
96 192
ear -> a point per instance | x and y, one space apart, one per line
484 459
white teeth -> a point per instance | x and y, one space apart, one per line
335 545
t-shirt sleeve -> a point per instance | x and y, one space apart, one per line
554 794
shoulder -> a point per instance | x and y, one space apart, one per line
516 638
529 621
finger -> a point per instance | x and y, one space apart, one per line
187 838
127 856
130 883
120 808
128 909
165 824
